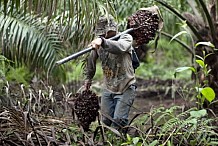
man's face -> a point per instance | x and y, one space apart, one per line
110 34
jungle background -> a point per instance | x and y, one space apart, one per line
176 101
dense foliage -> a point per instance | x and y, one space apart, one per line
36 109
43 117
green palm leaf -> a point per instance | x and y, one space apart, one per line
33 38
25 42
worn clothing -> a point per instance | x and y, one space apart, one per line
119 79
117 106
115 57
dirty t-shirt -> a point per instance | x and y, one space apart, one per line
115 57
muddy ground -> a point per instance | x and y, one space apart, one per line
154 93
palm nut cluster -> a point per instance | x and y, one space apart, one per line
86 108
145 24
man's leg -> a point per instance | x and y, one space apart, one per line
107 107
123 104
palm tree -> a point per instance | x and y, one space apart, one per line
37 33
202 21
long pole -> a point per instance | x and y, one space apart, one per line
75 55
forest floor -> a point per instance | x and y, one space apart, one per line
155 93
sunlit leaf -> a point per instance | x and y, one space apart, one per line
154 143
208 93
181 69
178 34
115 131
135 140
199 113
193 120
198 89
199 57
184 24
209 44
201 63
128 137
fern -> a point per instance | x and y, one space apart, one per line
163 114
191 127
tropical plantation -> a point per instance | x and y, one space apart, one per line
44 46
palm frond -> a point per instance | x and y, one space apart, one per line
24 41
178 14
210 21
77 17
33 32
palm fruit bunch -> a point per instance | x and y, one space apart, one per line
86 108
145 24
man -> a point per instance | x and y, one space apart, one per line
118 90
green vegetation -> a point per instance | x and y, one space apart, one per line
159 126
162 62
204 92
36 96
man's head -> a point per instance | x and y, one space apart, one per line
106 26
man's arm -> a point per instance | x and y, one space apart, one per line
90 68
123 45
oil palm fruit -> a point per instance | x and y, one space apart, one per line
86 108
146 23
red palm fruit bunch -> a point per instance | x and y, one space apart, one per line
145 23
86 108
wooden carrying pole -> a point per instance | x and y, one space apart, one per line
75 55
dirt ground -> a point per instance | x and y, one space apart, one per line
157 93
151 93
147 103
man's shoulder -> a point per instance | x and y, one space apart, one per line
126 36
